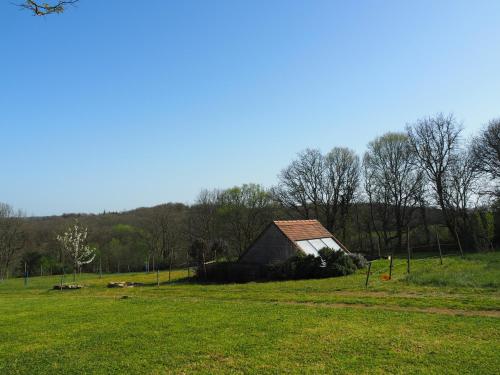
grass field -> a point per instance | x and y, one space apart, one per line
439 320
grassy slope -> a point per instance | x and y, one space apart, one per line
430 322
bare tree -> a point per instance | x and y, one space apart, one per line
162 232
379 207
302 184
198 251
43 9
318 186
343 177
460 192
486 151
392 183
435 141
12 236
203 219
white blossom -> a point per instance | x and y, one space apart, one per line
73 242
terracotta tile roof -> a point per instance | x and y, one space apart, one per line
297 230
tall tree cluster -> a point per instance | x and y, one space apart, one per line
227 221
393 185
486 151
12 237
418 180
427 180
320 186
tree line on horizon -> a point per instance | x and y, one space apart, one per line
426 180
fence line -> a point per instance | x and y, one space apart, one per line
393 263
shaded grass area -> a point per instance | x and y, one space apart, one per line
292 326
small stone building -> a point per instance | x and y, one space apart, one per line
285 238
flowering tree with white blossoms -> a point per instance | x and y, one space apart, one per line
74 243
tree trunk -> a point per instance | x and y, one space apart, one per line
423 211
170 265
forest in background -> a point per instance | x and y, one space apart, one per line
424 182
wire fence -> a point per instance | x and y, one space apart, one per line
385 273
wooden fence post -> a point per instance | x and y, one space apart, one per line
61 283
170 263
439 247
187 262
25 274
368 274
390 266
408 248
100 267
157 276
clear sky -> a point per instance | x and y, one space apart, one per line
117 104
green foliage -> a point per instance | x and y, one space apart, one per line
329 264
338 263
303 267
124 228
32 261
359 260
243 212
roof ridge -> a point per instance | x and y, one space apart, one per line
295 221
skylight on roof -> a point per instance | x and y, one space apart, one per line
307 248
311 247
329 242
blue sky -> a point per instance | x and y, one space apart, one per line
118 104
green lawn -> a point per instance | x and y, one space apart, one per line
440 319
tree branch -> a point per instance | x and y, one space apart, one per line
43 9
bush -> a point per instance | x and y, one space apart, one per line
330 263
338 263
302 267
359 260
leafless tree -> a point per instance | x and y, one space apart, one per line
392 182
379 207
460 192
436 144
486 151
198 252
163 231
203 221
343 177
319 186
11 236
302 183
43 8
